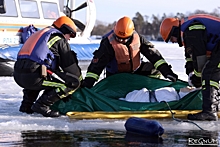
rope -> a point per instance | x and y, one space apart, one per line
180 120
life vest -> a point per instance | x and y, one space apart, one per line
36 48
212 25
128 59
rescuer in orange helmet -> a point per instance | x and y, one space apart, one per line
120 52
45 52
200 35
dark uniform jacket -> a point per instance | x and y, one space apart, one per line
105 54
27 73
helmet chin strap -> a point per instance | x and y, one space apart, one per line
128 41
179 40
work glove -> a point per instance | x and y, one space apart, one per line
66 99
194 81
165 69
84 84
65 93
172 76
70 80
87 82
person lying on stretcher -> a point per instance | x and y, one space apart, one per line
158 95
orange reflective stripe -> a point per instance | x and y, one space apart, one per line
204 16
31 42
200 16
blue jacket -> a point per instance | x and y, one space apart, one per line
212 25
36 48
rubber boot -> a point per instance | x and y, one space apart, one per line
209 106
42 105
29 97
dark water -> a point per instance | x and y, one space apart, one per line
110 138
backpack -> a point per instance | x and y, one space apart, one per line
27 32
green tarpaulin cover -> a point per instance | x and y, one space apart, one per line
104 96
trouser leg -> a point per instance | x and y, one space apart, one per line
29 97
210 100
209 106
50 96
42 105
210 90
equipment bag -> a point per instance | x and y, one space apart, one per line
27 32
144 126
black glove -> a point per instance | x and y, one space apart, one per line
87 82
165 69
66 99
84 84
172 76
196 81
70 79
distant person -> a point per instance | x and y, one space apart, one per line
120 52
51 14
201 38
47 49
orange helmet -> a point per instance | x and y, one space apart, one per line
124 27
65 25
166 27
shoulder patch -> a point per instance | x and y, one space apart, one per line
95 60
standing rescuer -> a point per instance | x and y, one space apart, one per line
200 35
119 52
47 50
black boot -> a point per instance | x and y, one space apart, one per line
42 105
209 106
29 98
202 116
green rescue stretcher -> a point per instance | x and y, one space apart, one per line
102 100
